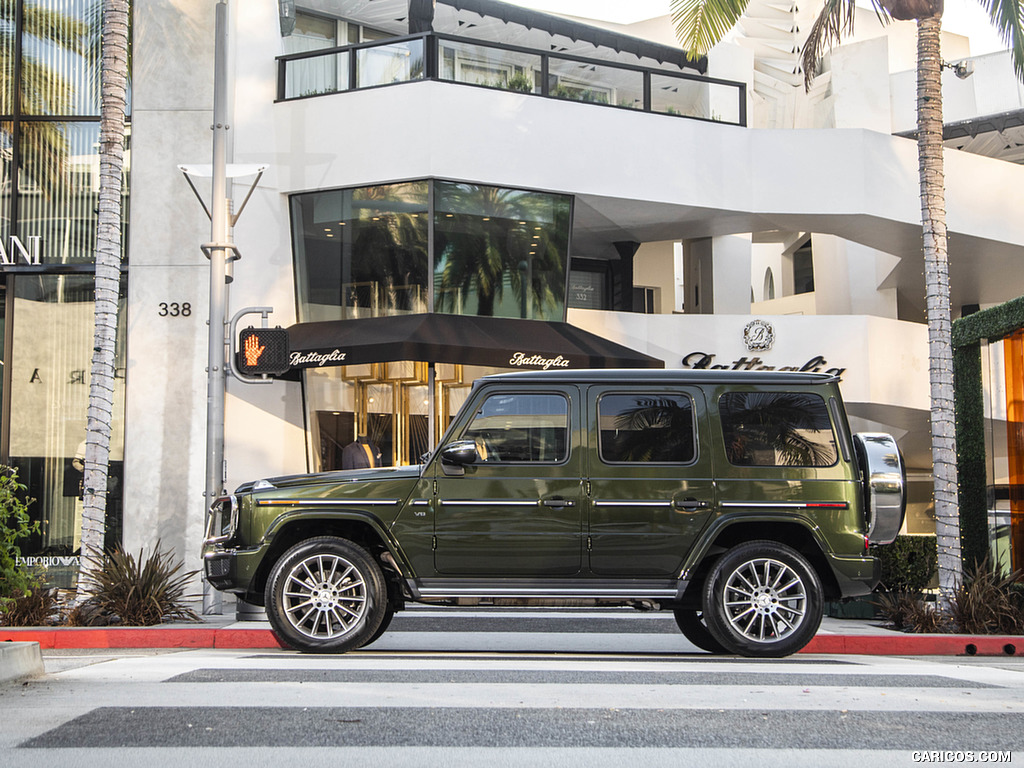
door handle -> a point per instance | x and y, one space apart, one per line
689 505
558 503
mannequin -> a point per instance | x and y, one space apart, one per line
360 454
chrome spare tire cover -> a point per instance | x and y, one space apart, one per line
885 485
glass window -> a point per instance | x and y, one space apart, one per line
60 60
695 98
585 81
50 358
500 252
768 429
492 67
389 63
58 187
361 252
649 427
521 428
497 252
320 74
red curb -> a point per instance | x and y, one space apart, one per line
114 637
890 644
899 644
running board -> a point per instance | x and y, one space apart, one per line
454 589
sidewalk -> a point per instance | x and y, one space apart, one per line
836 636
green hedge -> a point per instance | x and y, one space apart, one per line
908 564
989 324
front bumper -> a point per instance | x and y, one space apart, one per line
231 570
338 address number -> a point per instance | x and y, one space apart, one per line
175 309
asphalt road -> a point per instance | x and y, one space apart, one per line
472 688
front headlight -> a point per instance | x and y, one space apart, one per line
222 520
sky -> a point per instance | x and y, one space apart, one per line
962 16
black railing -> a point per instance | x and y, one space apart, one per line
461 60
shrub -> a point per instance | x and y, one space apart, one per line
987 602
15 525
138 592
35 608
908 612
908 564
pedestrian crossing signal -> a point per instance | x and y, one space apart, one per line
263 351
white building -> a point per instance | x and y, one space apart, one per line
418 171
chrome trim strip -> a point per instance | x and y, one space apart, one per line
421 502
787 504
631 503
326 502
472 503
541 591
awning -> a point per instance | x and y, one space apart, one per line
463 339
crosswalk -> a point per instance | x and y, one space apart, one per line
523 688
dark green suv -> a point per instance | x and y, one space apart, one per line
739 501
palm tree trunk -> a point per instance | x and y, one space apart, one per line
940 353
114 78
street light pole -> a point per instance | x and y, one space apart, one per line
217 250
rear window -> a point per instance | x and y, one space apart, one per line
777 429
648 428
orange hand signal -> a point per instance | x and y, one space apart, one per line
252 351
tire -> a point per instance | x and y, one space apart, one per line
763 599
691 624
326 595
389 614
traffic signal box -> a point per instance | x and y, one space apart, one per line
263 351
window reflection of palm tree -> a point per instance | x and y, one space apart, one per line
485 244
43 91
656 430
786 423
390 248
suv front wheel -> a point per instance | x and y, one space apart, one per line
762 598
326 595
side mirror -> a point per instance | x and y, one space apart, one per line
460 453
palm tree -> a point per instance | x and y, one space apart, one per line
114 87
702 23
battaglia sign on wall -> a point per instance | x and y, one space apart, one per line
705 360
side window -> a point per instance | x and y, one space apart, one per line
521 428
650 428
772 429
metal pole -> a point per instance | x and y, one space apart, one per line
219 241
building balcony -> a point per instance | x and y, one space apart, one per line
482 64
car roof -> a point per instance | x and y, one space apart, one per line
662 376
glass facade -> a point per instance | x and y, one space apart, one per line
49 170
408 248
422 246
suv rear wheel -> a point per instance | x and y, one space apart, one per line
691 624
762 598
326 595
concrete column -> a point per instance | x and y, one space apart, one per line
730 261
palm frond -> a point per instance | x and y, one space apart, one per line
701 24
1007 16
835 20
